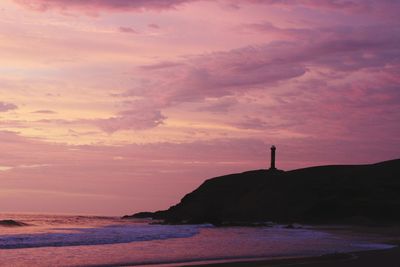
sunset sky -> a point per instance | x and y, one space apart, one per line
117 106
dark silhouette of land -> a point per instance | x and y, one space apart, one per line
324 194
12 223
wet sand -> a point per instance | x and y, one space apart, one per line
372 258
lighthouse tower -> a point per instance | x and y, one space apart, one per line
273 149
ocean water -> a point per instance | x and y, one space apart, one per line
56 240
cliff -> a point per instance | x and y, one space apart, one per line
316 195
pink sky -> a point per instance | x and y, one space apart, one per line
117 106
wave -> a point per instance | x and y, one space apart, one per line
113 234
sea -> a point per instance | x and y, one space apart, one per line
65 240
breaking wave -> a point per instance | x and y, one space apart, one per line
114 234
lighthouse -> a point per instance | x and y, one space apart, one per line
273 149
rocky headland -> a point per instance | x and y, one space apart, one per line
322 194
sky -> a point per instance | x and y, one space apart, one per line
112 107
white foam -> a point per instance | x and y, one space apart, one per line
113 234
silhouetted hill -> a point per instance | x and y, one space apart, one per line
317 194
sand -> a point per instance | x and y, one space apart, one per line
373 258
376 258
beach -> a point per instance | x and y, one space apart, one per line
384 258
67 240
372 258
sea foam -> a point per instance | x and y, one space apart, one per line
113 234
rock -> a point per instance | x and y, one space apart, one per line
293 226
140 215
12 223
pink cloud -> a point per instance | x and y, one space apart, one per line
4 106
153 26
220 105
44 111
92 6
215 75
253 123
378 7
142 118
136 118
127 30
219 74
225 76
161 65
362 109
102 5
339 4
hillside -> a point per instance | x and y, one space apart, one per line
316 194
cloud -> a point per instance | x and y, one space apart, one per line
153 26
252 123
44 111
4 106
19 150
161 65
139 117
337 83
219 105
339 50
127 30
361 107
336 4
133 119
90 6
381 7
378 7
267 27
216 75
